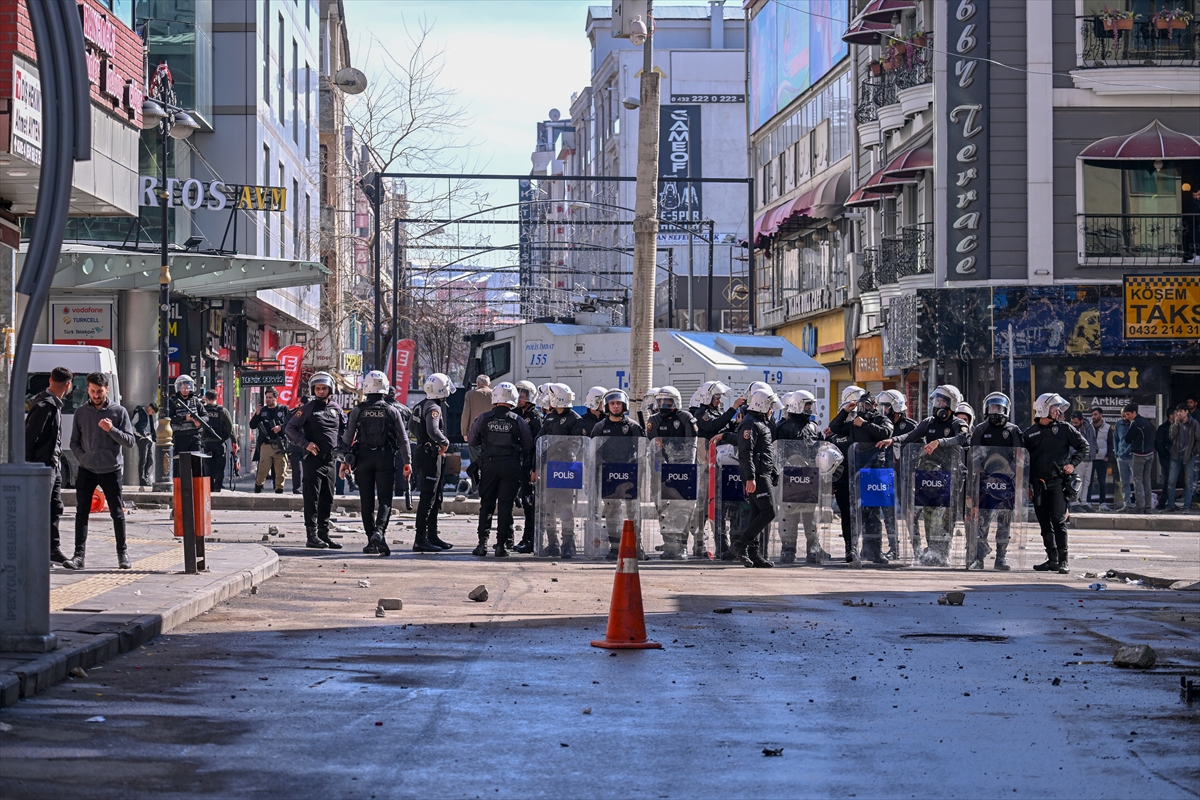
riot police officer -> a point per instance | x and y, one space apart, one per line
859 422
560 420
620 446
429 425
527 396
316 428
649 407
715 425
994 432
375 438
757 463
506 455
894 406
676 518
798 425
187 413
1056 448
403 480
593 402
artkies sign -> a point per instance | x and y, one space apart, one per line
86 322
679 159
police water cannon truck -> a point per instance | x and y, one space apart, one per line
583 356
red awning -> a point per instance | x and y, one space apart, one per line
769 223
865 32
884 10
911 162
877 184
829 195
1155 142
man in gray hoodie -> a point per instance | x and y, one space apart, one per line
101 429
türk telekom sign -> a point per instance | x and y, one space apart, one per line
87 322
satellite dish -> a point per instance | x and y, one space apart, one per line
555 115
350 80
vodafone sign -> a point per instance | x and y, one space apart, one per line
85 322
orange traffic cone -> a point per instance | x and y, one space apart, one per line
626 619
99 506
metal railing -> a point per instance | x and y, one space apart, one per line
1145 44
917 68
891 260
1145 238
882 90
870 261
908 252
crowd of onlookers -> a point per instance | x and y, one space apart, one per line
1127 449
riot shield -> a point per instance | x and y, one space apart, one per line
677 495
931 500
618 480
561 511
803 501
997 510
872 495
730 511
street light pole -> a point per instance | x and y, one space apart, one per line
645 225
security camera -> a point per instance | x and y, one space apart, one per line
631 103
637 32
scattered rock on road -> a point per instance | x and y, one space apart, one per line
364 584
479 594
1135 656
955 598
379 612
78 672
390 603
723 610
767 751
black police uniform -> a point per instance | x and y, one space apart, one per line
43 445
985 434
376 437
526 494
712 422
757 462
187 435
506 455
567 423
620 447
318 422
677 519
221 424
429 425
403 485
591 419
1051 447
264 423
901 425
939 524
798 428
875 427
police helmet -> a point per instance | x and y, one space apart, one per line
710 390
763 401
620 396
800 402
829 459
526 391
594 399
896 400
375 382
1046 404
965 408
560 396
757 386
438 386
995 405
650 401
320 379
185 380
504 394
945 396
668 399
852 394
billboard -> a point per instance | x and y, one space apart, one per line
679 148
87 322
793 45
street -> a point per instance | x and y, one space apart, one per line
300 690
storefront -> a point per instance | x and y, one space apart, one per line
824 338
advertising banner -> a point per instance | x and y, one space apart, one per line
679 148
88 322
290 358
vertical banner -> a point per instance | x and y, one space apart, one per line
967 152
290 359
404 351
679 159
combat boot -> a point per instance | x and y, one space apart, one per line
437 541
741 553
77 561
501 550
371 549
787 555
123 561
57 556
1000 563
1049 565
754 554
1064 568
330 543
313 541
568 547
526 545
482 548
421 544
379 542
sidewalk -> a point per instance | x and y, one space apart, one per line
100 612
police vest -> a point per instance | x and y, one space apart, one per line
375 427
419 412
501 435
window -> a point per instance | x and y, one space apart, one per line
308 14
1137 214
295 92
266 178
1131 187
267 51
282 72
496 360
323 157
282 184
295 218
307 111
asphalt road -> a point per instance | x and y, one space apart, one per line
301 691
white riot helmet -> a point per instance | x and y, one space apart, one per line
543 397
695 402
504 394
185 380
995 406
1046 404
763 401
710 390
650 401
895 399
943 400
618 395
852 394
320 379
829 458
801 402
375 382
758 386
668 399
529 390
438 386
594 399
561 396
965 408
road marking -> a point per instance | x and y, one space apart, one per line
64 597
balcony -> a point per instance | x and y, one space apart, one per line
1145 45
908 84
909 252
1139 239
189 53
870 263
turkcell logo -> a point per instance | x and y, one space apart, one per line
931 488
619 481
997 492
800 484
732 489
564 474
678 481
877 488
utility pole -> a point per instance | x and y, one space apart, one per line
645 226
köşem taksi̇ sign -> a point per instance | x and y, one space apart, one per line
213 196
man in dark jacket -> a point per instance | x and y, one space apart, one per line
143 429
43 445
268 426
677 430
561 420
101 429
316 428
1140 438
527 409
1055 449
506 456
429 426
798 425
618 456
375 436
894 406
1000 438
859 423
757 463
219 431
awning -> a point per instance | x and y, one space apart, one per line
1155 142
830 194
769 223
866 32
877 184
884 10
911 162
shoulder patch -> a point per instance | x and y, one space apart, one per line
434 414
299 411
746 434
1006 434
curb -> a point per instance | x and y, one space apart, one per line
240 501
87 650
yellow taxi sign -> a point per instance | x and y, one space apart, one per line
1162 306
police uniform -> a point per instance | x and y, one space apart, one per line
757 463
506 455
901 425
402 485
561 505
617 458
318 422
221 423
429 424
875 427
986 434
375 436
526 495
43 445
711 422
798 428
676 518
187 435
939 522
1051 447
271 445
590 420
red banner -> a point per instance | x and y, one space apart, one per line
290 359
405 350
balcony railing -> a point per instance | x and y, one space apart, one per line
867 280
1145 44
1133 239
909 252
883 90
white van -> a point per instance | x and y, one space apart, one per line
81 360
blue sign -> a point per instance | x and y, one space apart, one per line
877 488
997 491
732 490
678 481
931 488
564 474
801 484
619 481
